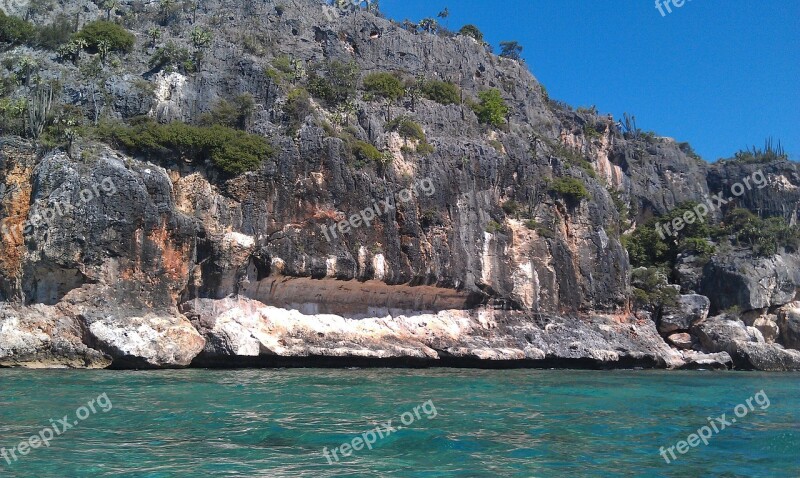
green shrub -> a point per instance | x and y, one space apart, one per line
651 290
442 92
232 151
283 64
425 148
651 245
492 108
298 107
231 115
511 49
764 236
335 82
406 128
172 57
590 131
471 31
366 152
13 112
117 38
697 245
545 232
689 151
385 85
15 31
512 208
493 227
769 154
570 188
531 224
55 34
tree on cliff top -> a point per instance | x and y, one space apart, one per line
511 49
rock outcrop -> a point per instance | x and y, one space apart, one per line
745 345
242 331
41 336
739 280
113 257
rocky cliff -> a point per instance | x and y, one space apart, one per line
498 243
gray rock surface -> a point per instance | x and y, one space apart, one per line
689 310
739 280
744 344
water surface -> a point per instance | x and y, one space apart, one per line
498 423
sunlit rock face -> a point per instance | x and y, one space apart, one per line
242 330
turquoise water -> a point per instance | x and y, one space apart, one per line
474 423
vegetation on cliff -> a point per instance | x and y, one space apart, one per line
231 150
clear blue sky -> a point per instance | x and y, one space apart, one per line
722 75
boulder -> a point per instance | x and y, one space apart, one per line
681 340
770 357
149 340
789 324
689 310
703 361
689 272
744 344
768 327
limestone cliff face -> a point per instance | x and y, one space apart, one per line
168 262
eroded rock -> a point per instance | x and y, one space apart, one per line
244 327
150 340
41 336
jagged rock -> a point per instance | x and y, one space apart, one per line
41 337
789 324
689 310
744 344
720 334
681 340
